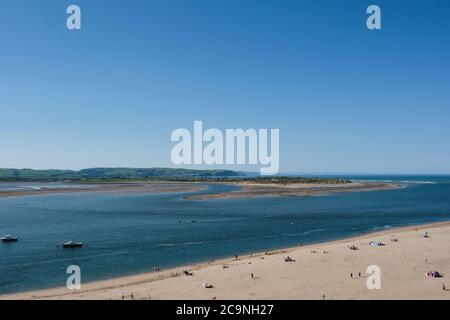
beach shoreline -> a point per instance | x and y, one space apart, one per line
134 187
249 190
277 279
245 189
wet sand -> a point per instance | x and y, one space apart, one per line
135 187
246 189
255 190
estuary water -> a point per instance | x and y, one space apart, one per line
125 234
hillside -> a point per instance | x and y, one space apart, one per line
111 174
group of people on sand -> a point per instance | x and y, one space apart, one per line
376 244
324 251
359 275
131 297
434 274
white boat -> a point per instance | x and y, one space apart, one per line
9 238
72 244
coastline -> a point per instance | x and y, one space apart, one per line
307 278
259 190
246 189
135 187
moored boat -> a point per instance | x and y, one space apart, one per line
9 238
72 244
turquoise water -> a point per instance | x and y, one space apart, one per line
131 233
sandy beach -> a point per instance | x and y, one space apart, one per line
134 187
329 270
245 190
255 190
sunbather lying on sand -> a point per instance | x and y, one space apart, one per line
288 259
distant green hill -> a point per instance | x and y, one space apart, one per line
112 174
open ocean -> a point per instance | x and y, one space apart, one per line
125 234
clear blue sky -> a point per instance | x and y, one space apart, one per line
346 99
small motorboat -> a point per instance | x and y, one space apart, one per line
9 238
72 244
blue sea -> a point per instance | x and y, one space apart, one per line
126 234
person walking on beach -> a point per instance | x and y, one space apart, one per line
252 276
351 275
443 287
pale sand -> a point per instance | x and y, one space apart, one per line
403 265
